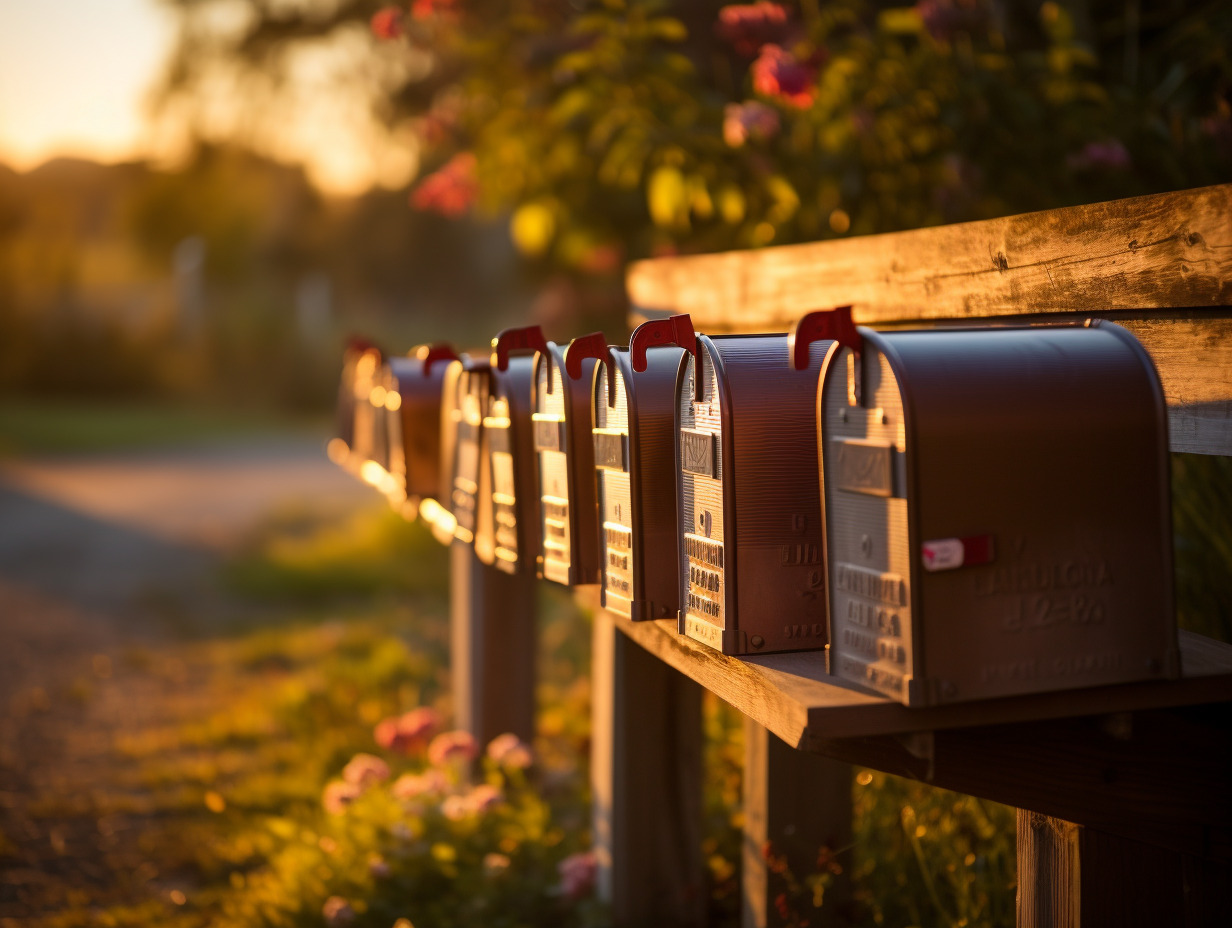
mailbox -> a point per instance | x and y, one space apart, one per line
465 400
356 440
634 436
511 451
412 400
996 510
751 574
568 517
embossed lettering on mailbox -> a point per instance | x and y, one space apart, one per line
697 452
611 449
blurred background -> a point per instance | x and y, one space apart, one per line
202 620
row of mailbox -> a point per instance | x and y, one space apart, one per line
951 514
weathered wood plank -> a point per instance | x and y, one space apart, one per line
794 803
1070 876
1167 250
793 696
492 647
646 775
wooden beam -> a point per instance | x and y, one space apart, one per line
793 696
492 647
1163 251
794 804
647 783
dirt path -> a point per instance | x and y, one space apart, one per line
102 559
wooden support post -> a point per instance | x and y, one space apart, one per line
797 803
1070 876
492 647
647 781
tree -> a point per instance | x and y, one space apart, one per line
613 129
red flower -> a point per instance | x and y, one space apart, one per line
778 73
450 191
426 9
748 27
387 23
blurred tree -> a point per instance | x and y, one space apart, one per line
610 129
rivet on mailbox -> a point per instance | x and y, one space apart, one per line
569 531
996 511
413 405
634 439
511 450
462 412
751 574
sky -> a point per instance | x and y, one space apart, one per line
75 80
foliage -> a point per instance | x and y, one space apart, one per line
620 128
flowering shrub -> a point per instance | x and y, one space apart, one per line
432 846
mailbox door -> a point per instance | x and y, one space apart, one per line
417 411
704 563
366 443
862 449
612 465
395 438
511 458
464 500
548 424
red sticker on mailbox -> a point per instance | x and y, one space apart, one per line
949 553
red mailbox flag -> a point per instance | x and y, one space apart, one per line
526 338
818 326
430 354
674 330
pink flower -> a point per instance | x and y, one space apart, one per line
412 786
778 73
452 747
456 808
508 750
1109 155
751 120
449 191
483 798
577 875
338 795
387 23
408 732
363 770
494 864
748 27
337 912
378 866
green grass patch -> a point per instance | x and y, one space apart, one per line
82 426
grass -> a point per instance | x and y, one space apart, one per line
30 426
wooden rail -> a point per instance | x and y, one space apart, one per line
1125 808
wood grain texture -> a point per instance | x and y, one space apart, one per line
1049 876
793 696
1070 876
646 775
1167 250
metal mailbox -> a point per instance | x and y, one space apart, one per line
996 510
464 402
634 437
413 386
511 451
751 574
568 516
355 438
